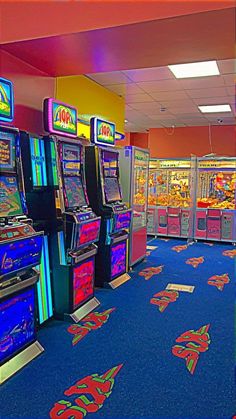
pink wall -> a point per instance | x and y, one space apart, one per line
182 142
31 86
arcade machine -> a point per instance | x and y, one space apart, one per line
134 164
75 227
37 196
169 198
105 197
215 217
20 252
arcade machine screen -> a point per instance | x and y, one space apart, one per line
38 162
20 254
110 173
74 192
7 151
71 160
10 201
17 324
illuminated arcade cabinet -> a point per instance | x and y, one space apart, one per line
20 252
37 197
75 227
105 197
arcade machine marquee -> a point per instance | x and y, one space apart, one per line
76 227
20 253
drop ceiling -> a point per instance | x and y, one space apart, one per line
154 98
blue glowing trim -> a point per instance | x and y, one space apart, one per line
6 100
119 136
61 249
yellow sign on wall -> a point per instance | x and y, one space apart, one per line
91 99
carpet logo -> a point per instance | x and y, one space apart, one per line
195 262
163 298
91 322
179 249
199 341
93 390
149 272
219 281
229 253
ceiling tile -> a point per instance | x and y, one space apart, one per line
170 95
227 66
140 97
214 100
146 106
170 104
195 123
185 109
160 86
161 116
149 74
201 93
201 82
106 79
231 90
229 79
125 89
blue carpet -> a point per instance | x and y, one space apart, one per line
152 382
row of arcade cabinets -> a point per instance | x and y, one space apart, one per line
63 208
20 252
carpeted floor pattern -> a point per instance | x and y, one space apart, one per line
156 376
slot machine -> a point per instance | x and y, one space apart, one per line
37 196
105 197
20 252
74 226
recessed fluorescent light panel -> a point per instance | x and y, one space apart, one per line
200 69
214 108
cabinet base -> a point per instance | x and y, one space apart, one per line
15 364
81 312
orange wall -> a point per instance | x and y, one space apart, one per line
31 86
139 139
125 141
182 142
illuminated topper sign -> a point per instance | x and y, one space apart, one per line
119 136
60 118
102 132
6 100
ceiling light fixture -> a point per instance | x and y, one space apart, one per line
199 69
214 108
126 120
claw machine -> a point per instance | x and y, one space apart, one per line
169 198
215 216
134 166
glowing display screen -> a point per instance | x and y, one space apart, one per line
10 202
17 324
6 100
112 189
118 259
122 220
7 151
102 132
88 232
60 118
83 278
74 193
71 160
38 162
20 254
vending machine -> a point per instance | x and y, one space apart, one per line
215 216
20 252
134 166
169 197
106 199
74 226
37 195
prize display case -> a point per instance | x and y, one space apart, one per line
134 179
215 217
170 197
